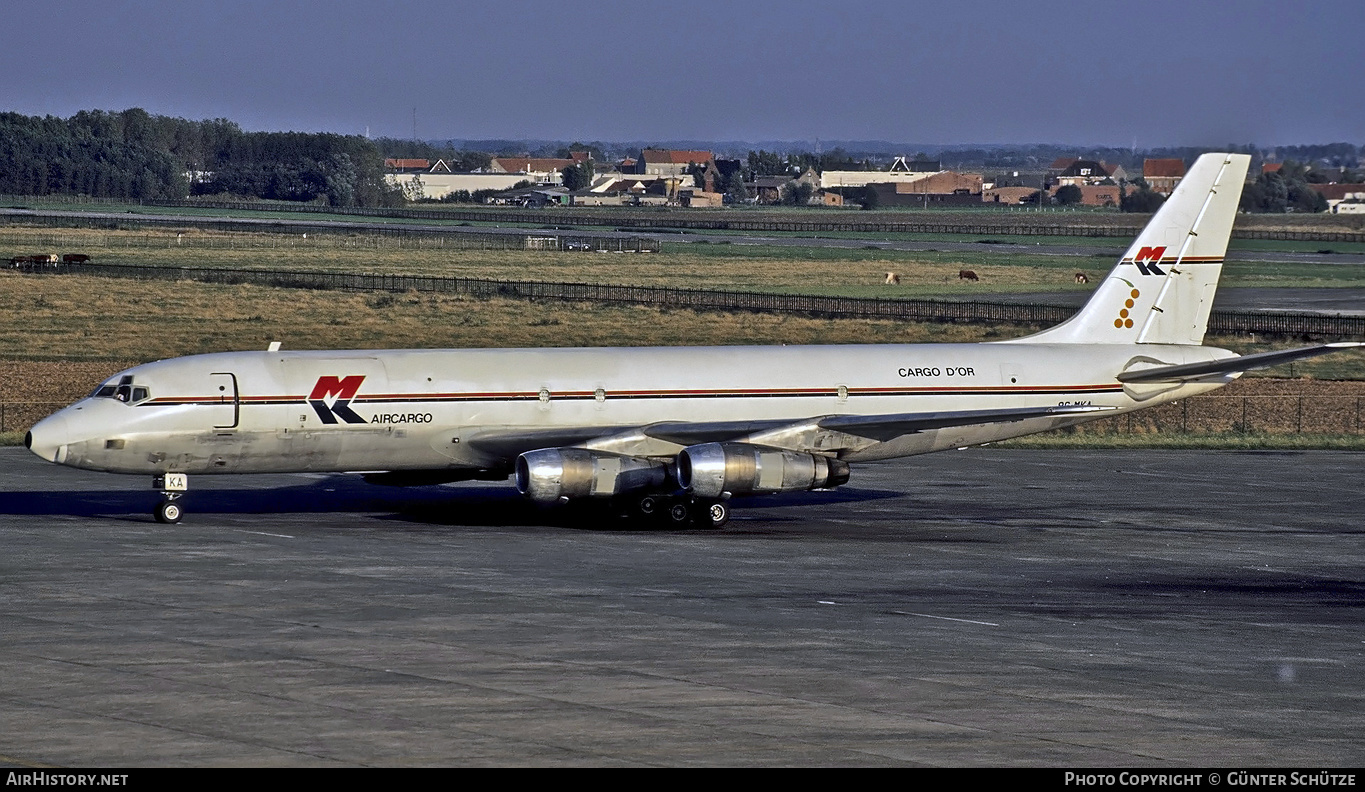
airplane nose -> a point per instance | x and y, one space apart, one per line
48 438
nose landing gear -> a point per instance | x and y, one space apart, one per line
173 487
167 511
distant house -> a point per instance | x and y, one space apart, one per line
1115 171
400 165
944 183
945 188
541 170
1078 171
710 177
1342 198
1097 194
766 189
1271 167
670 162
1162 175
729 167
1082 171
700 199
1009 196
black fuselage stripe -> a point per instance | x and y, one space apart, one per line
617 397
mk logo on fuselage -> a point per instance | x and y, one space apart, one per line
343 389
1147 260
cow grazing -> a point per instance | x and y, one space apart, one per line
1082 278
893 279
75 258
967 275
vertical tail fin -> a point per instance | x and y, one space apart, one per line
1162 290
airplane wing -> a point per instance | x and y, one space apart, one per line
1193 371
710 431
886 427
508 443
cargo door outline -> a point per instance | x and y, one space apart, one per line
222 381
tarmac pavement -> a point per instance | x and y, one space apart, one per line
978 608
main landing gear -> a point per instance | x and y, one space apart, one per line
684 511
173 487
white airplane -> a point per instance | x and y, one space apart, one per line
676 431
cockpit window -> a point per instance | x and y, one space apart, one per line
124 390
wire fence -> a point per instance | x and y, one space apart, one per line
987 220
1225 322
1214 414
249 236
1004 223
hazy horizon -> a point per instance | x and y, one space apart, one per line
1164 74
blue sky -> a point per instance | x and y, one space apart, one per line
985 71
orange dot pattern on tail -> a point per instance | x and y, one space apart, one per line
1124 319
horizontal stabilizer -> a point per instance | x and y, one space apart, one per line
1193 371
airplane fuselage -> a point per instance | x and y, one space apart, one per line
257 412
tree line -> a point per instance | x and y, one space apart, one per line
134 155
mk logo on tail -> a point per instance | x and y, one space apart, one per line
344 390
1147 260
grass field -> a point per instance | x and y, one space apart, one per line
827 271
85 318
88 318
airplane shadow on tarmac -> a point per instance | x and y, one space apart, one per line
481 505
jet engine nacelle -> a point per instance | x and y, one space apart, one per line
553 475
712 469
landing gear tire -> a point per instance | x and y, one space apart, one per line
715 515
648 506
168 512
680 514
